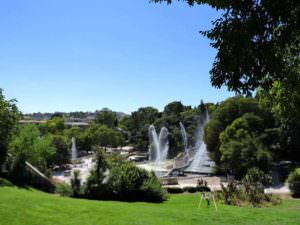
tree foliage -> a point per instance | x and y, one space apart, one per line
107 117
258 47
241 147
62 147
257 42
56 125
29 145
114 178
175 112
227 112
9 116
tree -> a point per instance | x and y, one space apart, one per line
258 46
104 136
95 186
138 124
28 144
55 125
107 117
174 108
241 147
9 116
257 42
228 111
284 101
62 147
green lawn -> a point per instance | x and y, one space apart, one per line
30 207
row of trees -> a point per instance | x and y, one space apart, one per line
175 112
244 133
258 50
49 143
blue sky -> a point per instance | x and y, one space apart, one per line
69 55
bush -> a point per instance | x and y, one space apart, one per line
273 199
152 190
190 189
254 183
294 182
115 179
174 190
63 189
230 192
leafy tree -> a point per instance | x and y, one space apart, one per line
9 116
56 125
104 136
284 101
257 42
258 46
174 108
241 147
138 124
95 186
82 136
30 146
74 131
107 117
62 147
225 114
124 122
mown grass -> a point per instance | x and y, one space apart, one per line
31 207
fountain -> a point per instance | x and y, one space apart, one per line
158 152
159 145
184 137
201 157
73 150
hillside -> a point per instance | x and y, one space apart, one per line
31 207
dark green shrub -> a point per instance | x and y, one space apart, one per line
126 181
190 189
63 189
294 182
152 190
116 179
175 190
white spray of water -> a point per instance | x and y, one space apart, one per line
159 145
73 150
200 146
184 137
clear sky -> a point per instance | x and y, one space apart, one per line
69 55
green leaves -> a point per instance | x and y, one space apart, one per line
36 149
9 116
